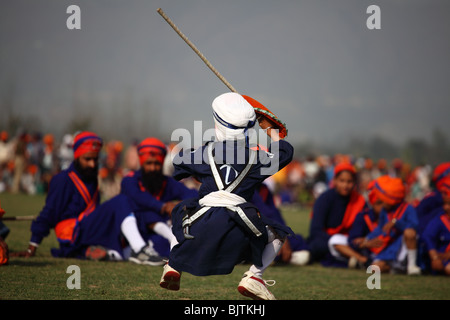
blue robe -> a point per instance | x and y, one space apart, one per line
221 239
328 212
426 210
102 227
360 229
263 200
437 235
407 220
147 207
63 202
4 230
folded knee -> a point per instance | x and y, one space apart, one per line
410 233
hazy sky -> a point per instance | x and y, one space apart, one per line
314 63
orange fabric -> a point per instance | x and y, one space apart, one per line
48 139
344 166
91 202
372 194
444 186
4 136
80 186
387 240
260 109
260 147
151 147
446 221
355 206
370 224
64 229
156 195
390 190
2 212
440 172
86 142
4 253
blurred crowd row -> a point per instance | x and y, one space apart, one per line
29 160
303 180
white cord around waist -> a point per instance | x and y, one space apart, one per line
221 198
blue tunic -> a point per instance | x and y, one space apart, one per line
4 230
221 240
63 201
328 212
263 200
426 209
437 234
360 229
102 227
147 207
408 220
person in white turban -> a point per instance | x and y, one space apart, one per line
222 228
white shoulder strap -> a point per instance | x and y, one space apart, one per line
214 170
238 179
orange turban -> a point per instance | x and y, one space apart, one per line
151 147
4 136
344 166
390 190
440 172
48 139
445 186
372 194
2 211
86 142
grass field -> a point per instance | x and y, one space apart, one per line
45 278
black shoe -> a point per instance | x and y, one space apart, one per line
96 253
148 256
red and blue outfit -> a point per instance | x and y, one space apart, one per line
426 209
103 226
406 217
263 200
147 207
365 222
69 200
224 236
332 213
429 207
437 233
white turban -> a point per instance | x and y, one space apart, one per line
233 116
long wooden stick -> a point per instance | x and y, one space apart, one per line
190 44
17 218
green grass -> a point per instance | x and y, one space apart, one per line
45 278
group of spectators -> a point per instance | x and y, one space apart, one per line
29 161
303 180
